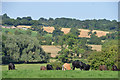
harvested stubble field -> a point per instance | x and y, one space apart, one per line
65 30
51 49
83 32
96 47
33 71
100 33
49 29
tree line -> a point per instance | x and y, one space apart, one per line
101 24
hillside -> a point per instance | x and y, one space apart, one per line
83 32
94 24
18 38
21 31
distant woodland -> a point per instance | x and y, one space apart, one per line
101 24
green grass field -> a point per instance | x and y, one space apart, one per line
34 33
33 71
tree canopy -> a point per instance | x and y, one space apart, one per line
108 56
22 48
100 24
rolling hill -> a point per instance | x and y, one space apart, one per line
83 32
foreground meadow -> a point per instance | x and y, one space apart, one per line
33 71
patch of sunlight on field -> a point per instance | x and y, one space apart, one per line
24 66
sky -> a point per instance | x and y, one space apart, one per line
77 10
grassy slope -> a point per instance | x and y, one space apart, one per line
33 71
20 30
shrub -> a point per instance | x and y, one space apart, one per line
57 64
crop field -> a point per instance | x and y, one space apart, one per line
49 29
51 49
96 47
83 32
100 33
65 30
33 71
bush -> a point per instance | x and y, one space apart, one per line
57 64
63 58
7 59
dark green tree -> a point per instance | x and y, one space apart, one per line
23 48
75 31
94 39
57 32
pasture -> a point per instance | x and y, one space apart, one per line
12 31
33 71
